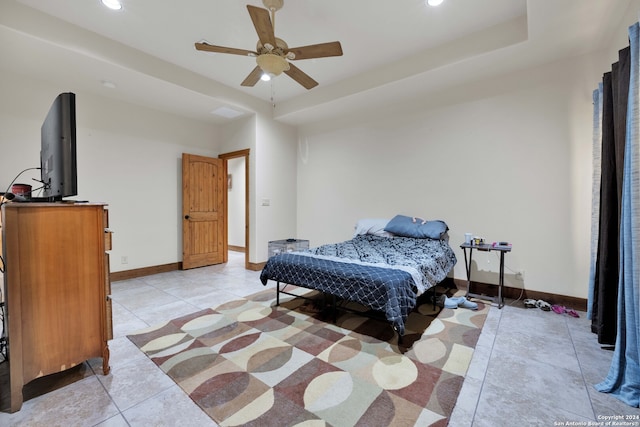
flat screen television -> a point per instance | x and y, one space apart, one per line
58 160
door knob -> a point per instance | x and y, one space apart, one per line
187 217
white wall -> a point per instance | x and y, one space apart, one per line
513 163
128 157
272 177
236 202
275 184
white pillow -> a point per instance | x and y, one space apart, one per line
373 226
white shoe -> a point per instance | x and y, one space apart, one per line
465 303
446 302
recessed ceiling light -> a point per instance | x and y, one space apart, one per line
112 4
434 2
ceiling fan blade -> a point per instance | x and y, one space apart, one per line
301 77
253 77
321 50
262 23
220 49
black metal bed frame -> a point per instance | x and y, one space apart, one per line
334 306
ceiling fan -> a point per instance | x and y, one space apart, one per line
272 53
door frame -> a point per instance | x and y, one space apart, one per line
234 155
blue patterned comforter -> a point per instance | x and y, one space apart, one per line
382 273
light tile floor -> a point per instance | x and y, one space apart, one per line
530 367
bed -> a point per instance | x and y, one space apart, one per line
383 267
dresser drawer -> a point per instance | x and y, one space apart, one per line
107 240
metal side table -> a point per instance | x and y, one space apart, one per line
485 247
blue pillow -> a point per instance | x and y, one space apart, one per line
407 226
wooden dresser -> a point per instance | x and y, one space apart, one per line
56 288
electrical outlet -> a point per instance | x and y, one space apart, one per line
520 275
124 260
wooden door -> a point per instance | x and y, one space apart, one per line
204 194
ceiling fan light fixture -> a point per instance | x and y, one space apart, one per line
112 4
272 64
273 4
265 77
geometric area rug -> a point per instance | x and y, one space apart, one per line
251 363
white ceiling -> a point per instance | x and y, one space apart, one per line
394 51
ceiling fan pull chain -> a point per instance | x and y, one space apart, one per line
273 103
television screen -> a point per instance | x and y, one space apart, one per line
58 149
